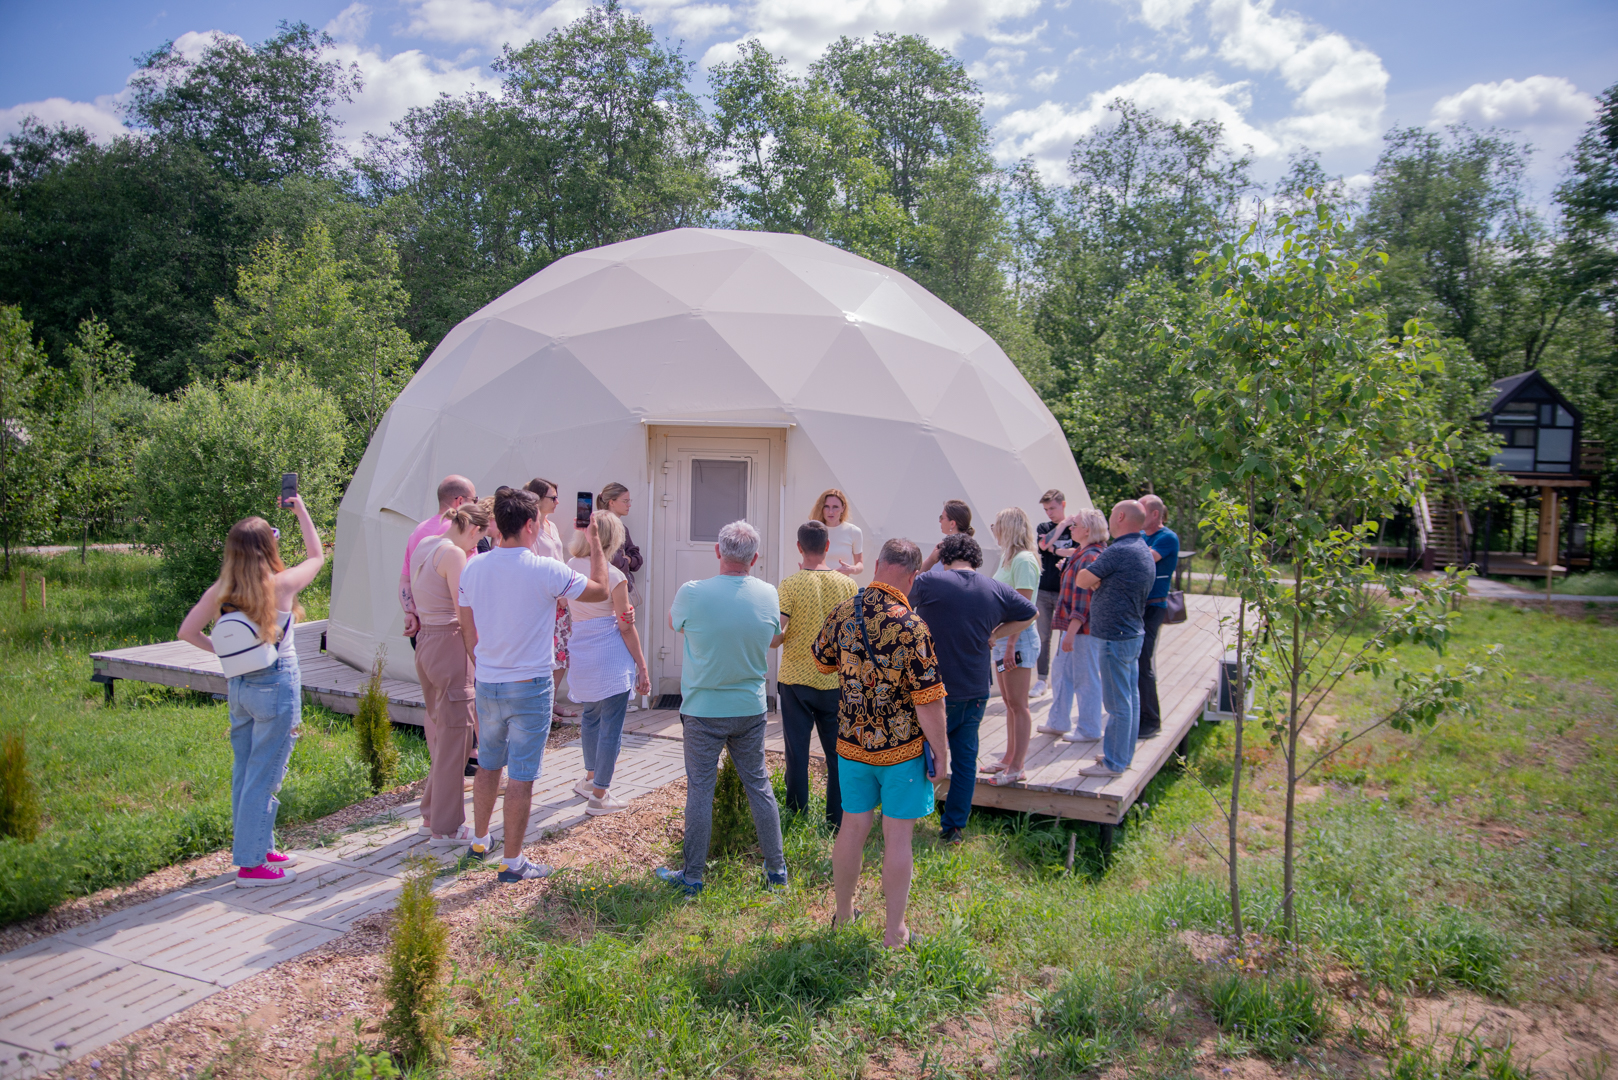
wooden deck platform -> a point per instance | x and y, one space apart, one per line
1187 671
1187 658
326 679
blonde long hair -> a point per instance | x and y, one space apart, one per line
247 578
1013 533
819 512
611 531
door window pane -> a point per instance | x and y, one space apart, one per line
718 497
1555 449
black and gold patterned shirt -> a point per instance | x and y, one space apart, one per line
876 710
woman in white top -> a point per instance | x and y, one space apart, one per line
548 543
1019 568
846 550
607 664
266 705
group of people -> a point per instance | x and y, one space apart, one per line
893 678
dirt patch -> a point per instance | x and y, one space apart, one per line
1571 1038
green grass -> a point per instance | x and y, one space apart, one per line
1601 583
132 788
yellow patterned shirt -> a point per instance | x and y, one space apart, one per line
876 712
807 597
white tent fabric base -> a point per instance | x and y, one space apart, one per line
713 373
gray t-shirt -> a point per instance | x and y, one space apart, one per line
1118 608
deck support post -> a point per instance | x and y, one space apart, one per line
1072 841
1105 833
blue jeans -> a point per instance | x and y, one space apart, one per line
514 720
265 709
1076 680
1120 688
601 736
961 719
743 737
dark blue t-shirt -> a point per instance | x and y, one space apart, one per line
961 607
1167 545
1118 608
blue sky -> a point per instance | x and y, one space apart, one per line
1327 74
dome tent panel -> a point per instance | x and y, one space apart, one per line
577 374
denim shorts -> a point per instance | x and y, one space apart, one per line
514 720
1024 649
902 790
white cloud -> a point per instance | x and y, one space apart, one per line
395 84
488 24
1044 79
1537 101
1341 87
1166 14
1049 130
801 30
351 24
99 117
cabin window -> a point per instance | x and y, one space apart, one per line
1523 436
1563 417
1514 460
1518 412
718 497
1555 448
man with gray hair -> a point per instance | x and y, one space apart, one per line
728 622
1121 577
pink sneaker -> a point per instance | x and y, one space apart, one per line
280 858
250 877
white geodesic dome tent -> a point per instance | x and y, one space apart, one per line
716 374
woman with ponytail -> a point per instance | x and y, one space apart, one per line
445 670
266 704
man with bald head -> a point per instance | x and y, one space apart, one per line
452 492
1121 579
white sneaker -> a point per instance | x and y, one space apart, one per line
1039 688
462 838
1098 769
585 789
1046 729
604 806
1074 736
524 871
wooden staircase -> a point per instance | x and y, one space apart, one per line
1448 533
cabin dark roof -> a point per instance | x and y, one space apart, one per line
1529 386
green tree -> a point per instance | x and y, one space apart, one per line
216 455
142 233
29 459
333 318
261 112
102 421
620 128
1314 421
1146 195
933 144
796 158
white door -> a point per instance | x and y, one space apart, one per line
704 479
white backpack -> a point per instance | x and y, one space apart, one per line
240 649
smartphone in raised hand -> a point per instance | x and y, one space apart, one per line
581 513
289 488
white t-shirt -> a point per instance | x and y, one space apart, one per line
583 610
513 593
845 540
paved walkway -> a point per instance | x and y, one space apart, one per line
1494 589
64 996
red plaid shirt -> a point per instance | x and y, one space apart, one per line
1073 603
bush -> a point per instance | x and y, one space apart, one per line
216 455
733 830
1275 1015
414 986
19 798
373 729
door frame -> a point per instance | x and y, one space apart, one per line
773 546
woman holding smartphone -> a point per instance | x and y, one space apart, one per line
608 663
266 705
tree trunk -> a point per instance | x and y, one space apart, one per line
1289 915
